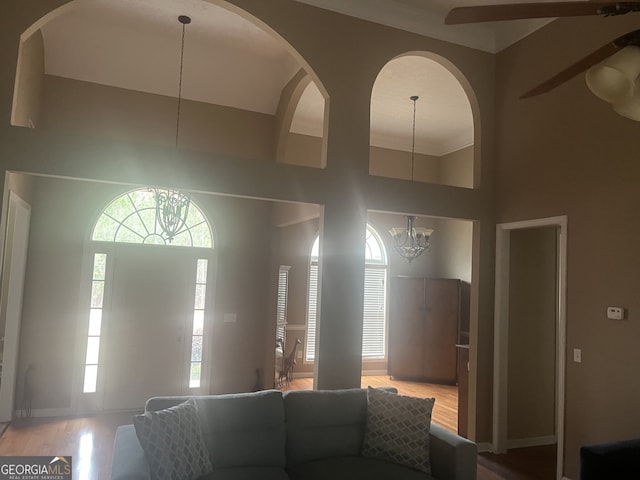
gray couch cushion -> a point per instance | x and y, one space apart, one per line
352 468
322 424
240 430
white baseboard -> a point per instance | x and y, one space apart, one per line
531 442
45 412
484 447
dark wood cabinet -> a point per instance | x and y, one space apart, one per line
424 328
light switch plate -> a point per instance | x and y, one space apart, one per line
577 355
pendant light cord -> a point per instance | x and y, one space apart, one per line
413 137
184 25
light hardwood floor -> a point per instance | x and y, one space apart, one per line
89 440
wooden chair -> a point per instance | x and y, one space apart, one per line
290 362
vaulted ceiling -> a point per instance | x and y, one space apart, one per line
135 44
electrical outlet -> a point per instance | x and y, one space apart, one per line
299 353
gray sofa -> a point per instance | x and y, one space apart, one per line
301 435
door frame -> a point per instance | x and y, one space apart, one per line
16 218
501 324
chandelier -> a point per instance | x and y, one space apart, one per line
411 241
172 206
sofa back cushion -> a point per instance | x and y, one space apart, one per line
324 423
239 430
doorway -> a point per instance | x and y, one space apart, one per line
149 316
517 265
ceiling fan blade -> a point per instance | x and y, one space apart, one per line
631 38
515 11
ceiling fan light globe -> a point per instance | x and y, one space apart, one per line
609 84
631 107
614 80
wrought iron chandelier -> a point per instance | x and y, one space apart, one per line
172 206
411 241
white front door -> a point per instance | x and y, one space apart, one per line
148 325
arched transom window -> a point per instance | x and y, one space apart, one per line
131 218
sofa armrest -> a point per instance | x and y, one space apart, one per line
452 456
129 461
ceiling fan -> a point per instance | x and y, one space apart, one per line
612 70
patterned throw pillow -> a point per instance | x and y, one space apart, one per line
172 441
397 429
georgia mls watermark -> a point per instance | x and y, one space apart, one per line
35 468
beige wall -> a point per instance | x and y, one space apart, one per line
347 68
63 213
126 115
532 334
568 153
456 168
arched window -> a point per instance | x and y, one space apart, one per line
131 218
374 322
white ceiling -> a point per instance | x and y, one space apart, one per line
426 17
135 44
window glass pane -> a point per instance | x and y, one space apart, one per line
315 250
143 199
90 378
125 235
194 381
201 271
97 294
183 239
154 240
119 208
196 348
95 321
99 266
105 229
202 236
133 222
93 348
312 307
148 219
198 322
201 291
373 250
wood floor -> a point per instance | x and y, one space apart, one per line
89 440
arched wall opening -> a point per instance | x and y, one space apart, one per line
440 146
122 80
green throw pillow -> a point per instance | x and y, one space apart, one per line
397 429
172 441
